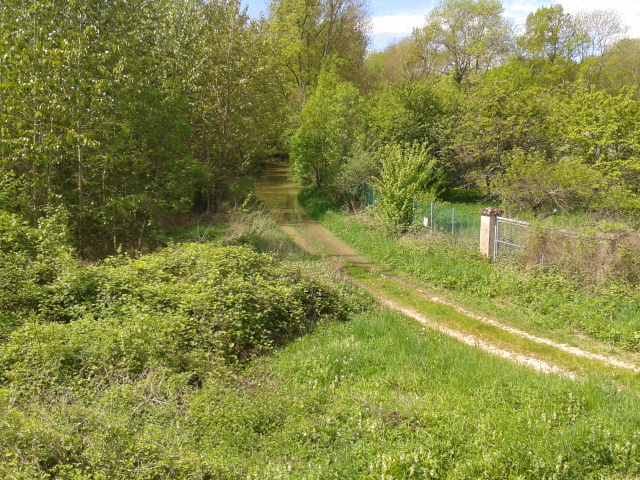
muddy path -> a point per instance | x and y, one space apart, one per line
280 196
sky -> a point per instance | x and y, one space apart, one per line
396 19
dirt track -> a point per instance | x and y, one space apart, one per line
280 196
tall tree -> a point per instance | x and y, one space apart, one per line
622 66
308 32
464 37
553 34
603 28
501 113
330 129
236 109
121 110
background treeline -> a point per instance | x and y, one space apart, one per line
125 113
122 112
542 119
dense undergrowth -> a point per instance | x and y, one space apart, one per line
563 297
93 359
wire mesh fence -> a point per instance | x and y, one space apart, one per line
529 244
510 239
440 218
435 217
532 244
369 196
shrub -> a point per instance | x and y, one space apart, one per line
188 308
31 258
407 169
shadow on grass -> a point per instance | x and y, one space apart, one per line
315 202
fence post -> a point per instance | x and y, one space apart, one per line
431 218
453 219
488 221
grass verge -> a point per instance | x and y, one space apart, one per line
537 300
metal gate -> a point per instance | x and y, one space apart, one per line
510 238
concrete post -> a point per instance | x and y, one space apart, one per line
488 221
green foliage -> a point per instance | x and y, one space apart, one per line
407 170
306 35
329 131
130 113
463 37
533 183
313 203
354 177
377 396
553 35
622 65
420 112
98 370
31 259
501 113
178 308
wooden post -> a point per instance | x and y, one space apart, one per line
488 221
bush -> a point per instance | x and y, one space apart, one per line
406 170
187 308
31 258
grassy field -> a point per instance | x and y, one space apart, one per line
382 397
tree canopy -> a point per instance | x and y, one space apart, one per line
118 114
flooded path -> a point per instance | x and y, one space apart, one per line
280 196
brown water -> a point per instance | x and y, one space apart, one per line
280 196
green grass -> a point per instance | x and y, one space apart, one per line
133 389
536 300
207 231
383 397
448 316
377 397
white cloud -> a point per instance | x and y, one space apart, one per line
400 24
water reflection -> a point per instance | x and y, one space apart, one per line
280 195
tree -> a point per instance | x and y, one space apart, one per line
306 33
464 37
602 129
330 129
536 183
125 112
622 66
503 111
394 64
408 112
236 109
552 34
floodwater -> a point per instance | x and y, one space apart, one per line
280 195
